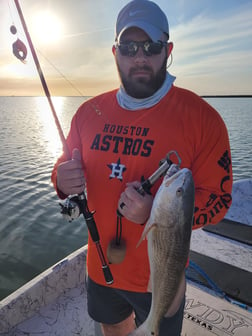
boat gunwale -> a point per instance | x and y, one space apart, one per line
43 289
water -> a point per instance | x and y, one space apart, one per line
237 114
33 235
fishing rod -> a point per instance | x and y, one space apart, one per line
82 201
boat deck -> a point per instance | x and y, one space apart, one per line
204 315
60 308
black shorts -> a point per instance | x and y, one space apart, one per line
110 306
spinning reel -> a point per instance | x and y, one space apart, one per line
71 208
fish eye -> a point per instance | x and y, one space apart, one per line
179 191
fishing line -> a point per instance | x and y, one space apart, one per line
10 11
43 81
87 32
82 201
62 75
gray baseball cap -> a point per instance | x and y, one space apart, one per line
145 15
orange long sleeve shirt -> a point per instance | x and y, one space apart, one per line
120 146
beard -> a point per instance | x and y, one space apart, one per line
143 87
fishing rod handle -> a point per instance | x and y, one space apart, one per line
93 231
92 228
107 274
89 218
105 267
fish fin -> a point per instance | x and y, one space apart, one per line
146 230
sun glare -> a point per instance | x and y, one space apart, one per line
46 27
50 135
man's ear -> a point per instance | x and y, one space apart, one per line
113 49
169 48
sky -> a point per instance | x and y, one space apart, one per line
212 52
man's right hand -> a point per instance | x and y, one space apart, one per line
70 176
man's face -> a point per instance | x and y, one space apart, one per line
141 75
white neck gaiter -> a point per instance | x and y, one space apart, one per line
130 103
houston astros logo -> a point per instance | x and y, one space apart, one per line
117 170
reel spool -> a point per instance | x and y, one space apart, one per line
70 209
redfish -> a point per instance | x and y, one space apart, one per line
168 231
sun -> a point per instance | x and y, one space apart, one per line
46 27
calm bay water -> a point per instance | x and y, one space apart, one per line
33 234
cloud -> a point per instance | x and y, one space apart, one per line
211 41
208 46
202 34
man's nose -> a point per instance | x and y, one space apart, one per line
140 56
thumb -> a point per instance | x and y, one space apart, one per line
76 155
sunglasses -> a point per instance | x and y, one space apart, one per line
149 48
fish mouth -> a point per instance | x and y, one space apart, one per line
170 179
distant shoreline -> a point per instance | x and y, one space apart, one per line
203 96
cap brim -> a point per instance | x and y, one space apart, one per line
154 33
